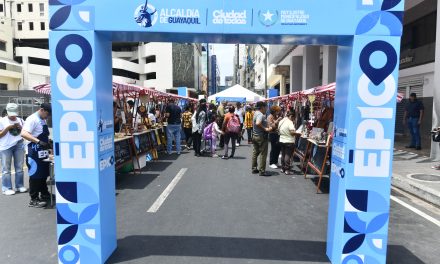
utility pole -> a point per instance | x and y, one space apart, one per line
238 64
265 69
207 69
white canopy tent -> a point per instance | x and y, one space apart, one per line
236 92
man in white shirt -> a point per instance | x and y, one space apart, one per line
11 147
240 113
36 131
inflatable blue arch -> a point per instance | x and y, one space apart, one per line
367 32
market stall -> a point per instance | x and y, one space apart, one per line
139 122
236 92
314 122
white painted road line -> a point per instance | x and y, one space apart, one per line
417 211
161 199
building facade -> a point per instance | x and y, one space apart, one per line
24 54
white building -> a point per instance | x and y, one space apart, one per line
10 71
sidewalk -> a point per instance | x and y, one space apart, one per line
412 173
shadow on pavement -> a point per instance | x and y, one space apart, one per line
156 166
136 247
134 181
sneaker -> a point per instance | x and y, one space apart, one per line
9 192
255 171
418 148
436 167
265 174
237 145
410 146
225 157
37 203
22 190
273 166
215 156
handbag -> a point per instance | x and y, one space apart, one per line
435 135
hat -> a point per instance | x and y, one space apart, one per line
46 107
261 104
12 109
413 95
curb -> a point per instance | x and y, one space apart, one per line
423 192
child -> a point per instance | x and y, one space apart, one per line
216 132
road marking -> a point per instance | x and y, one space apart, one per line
161 199
415 210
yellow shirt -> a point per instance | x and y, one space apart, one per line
248 119
187 120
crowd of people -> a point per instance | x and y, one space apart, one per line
208 128
28 141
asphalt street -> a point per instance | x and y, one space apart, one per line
217 212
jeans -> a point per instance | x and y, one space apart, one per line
173 132
414 130
230 137
287 154
275 148
249 134
260 150
16 152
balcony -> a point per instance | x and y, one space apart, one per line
10 69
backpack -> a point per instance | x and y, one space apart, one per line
207 132
233 125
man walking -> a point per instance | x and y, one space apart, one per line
414 112
174 115
36 131
260 140
240 113
11 147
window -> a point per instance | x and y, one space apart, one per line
31 25
1 8
2 66
420 32
41 7
150 59
3 86
42 26
151 76
18 8
19 26
31 7
3 45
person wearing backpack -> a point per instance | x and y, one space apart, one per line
231 128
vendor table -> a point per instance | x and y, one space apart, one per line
124 151
319 152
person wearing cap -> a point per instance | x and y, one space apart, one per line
11 147
413 116
36 131
260 140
